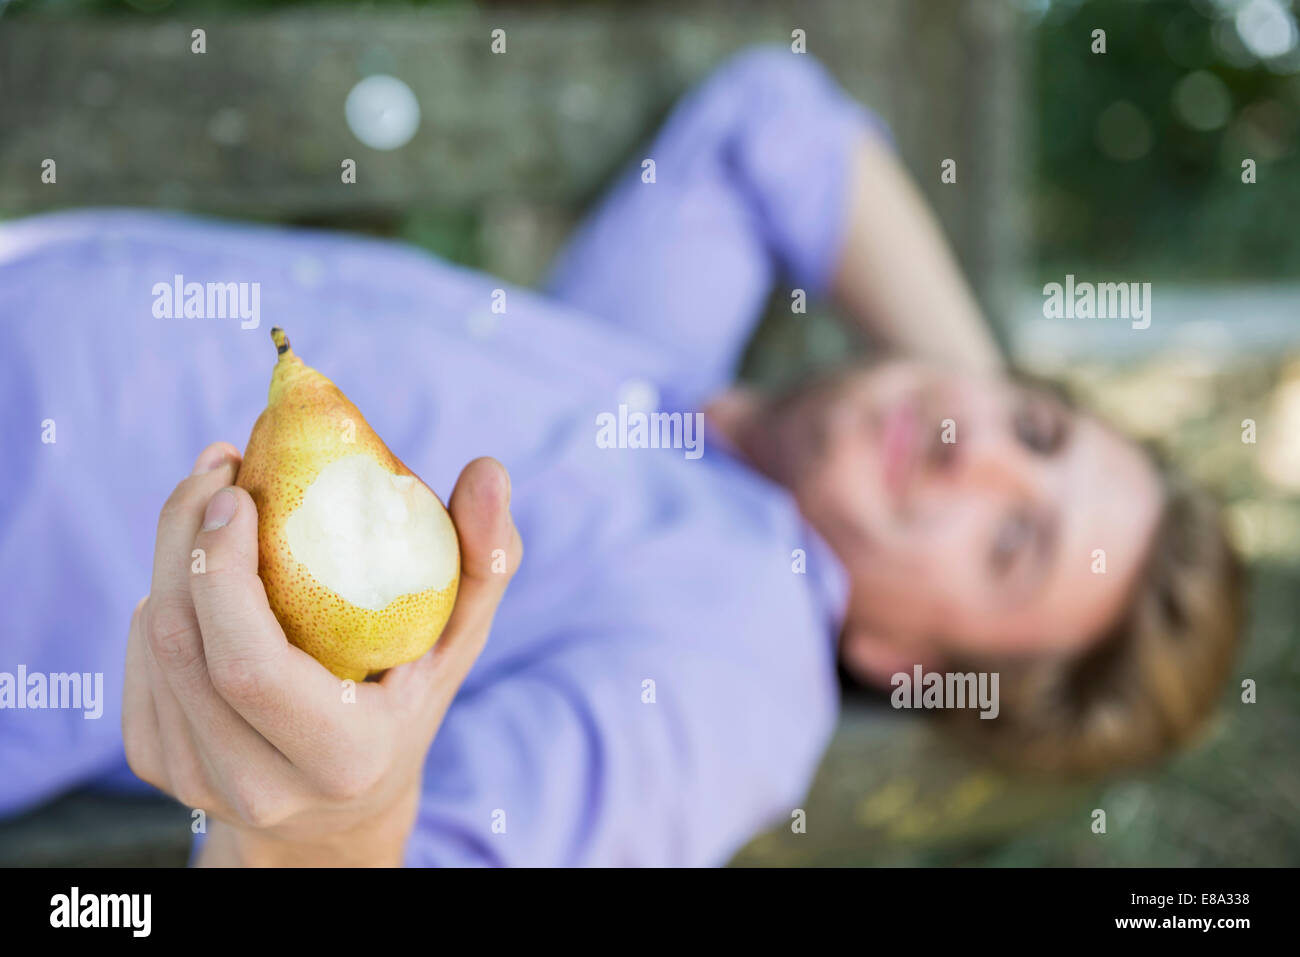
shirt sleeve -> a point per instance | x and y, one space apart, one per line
748 188
666 742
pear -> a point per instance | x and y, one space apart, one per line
359 557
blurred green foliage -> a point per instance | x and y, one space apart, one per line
1180 209
127 7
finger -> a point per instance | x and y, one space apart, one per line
188 779
140 733
490 553
156 734
170 626
282 692
220 763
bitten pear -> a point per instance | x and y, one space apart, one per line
359 557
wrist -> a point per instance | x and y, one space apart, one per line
231 847
376 842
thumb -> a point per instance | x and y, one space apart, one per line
234 617
229 530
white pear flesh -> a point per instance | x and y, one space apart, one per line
371 536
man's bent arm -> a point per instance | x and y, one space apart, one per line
897 276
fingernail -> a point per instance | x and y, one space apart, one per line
220 510
211 458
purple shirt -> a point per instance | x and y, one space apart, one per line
642 565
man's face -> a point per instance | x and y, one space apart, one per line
971 513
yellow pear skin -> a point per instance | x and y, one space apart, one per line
359 558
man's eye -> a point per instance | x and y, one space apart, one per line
1012 536
1039 427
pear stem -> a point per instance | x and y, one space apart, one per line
281 341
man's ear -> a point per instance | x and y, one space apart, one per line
873 658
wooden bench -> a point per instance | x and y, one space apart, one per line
518 143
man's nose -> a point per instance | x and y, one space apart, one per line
994 460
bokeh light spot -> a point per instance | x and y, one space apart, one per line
1202 101
382 112
1123 132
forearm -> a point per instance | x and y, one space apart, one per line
897 277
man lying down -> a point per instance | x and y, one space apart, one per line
656 680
